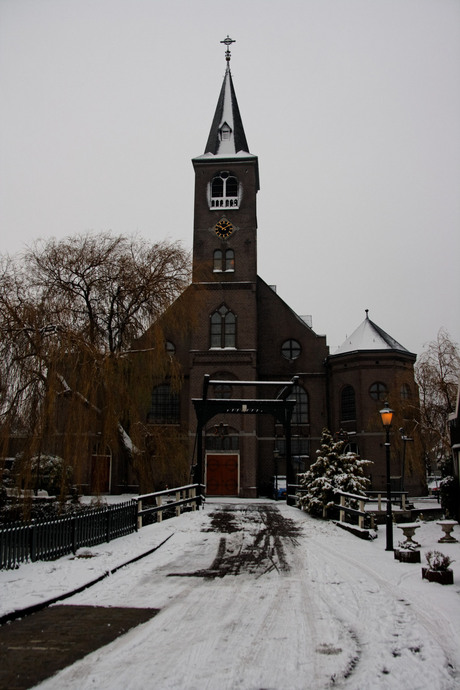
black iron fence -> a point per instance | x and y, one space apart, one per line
54 537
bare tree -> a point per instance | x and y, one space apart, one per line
437 375
71 315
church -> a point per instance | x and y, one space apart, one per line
247 344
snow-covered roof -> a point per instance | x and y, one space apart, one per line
227 137
369 336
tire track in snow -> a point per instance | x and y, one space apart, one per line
404 641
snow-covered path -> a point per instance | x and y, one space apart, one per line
259 596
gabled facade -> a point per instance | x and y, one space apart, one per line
243 331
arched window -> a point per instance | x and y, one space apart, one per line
222 437
229 265
405 392
224 191
217 260
378 391
348 404
300 414
164 406
291 349
223 328
223 390
224 261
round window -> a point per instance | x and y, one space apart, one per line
291 349
378 391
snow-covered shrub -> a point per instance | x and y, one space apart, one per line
437 560
46 472
408 545
332 471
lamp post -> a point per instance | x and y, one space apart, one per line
404 439
387 415
276 455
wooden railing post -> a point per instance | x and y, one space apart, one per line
361 517
159 502
178 495
139 516
342 512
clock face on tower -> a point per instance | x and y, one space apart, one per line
223 229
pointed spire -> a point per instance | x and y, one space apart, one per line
227 137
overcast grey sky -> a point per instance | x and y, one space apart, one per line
353 107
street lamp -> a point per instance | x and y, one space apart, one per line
404 439
387 415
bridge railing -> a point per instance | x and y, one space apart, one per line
164 502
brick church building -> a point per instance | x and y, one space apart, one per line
243 332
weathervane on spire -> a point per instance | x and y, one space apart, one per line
228 42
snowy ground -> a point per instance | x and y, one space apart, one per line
303 604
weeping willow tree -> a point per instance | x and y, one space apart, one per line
437 375
78 351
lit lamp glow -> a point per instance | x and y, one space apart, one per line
387 416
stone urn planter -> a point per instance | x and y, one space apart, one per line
438 568
408 551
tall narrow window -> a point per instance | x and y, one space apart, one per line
348 403
405 392
223 328
229 261
300 414
164 406
218 260
224 191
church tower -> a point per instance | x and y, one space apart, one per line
224 338
226 185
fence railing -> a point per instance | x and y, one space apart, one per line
396 496
55 537
345 508
163 502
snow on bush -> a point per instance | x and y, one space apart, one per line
437 560
332 471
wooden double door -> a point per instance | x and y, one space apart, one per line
222 474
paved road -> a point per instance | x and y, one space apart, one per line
255 597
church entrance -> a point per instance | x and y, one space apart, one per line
219 472
222 474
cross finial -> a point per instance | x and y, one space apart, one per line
228 42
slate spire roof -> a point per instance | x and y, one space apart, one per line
227 137
369 336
